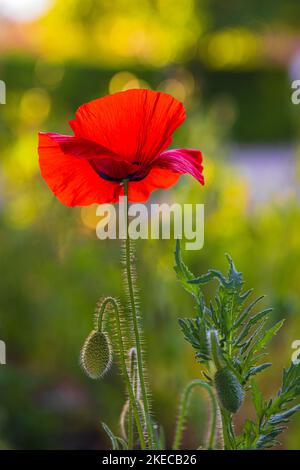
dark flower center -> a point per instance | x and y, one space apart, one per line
134 176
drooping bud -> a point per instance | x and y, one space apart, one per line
229 389
96 355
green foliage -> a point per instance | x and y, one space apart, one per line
196 333
230 339
184 274
273 414
242 336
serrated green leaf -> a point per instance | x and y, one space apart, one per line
246 294
183 273
247 310
267 440
211 274
251 340
256 370
196 333
268 335
283 417
235 278
253 321
180 264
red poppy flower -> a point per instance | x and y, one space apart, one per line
117 137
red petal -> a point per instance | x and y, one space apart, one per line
101 159
70 177
158 178
136 125
182 161
166 170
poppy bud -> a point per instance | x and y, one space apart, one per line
229 389
96 355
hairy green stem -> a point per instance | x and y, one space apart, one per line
228 432
136 328
183 410
130 391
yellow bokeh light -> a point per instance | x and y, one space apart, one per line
232 48
131 39
125 33
35 106
89 217
179 11
122 81
119 81
21 163
136 83
173 87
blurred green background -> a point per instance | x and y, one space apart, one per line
232 65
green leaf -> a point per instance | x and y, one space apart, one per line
246 294
280 418
183 272
255 319
247 310
268 335
274 413
122 443
257 398
196 333
252 339
235 278
112 437
267 440
245 441
211 274
291 380
255 370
